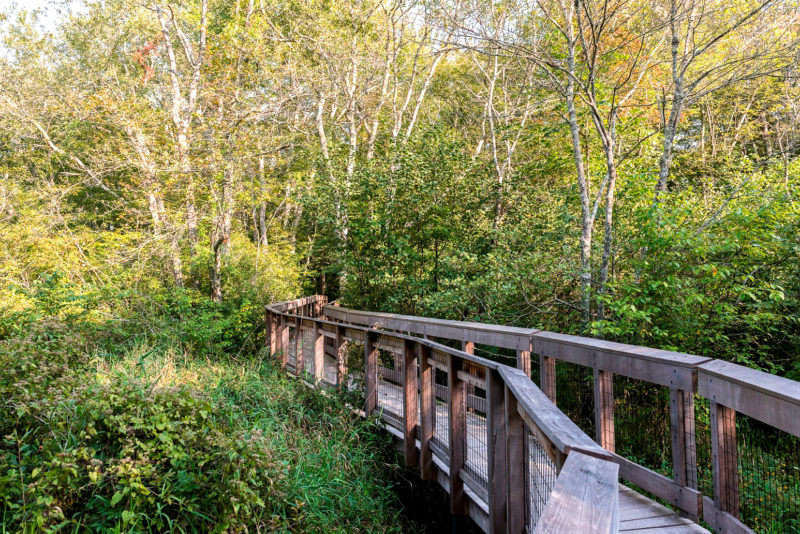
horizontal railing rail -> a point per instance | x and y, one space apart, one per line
729 387
484 430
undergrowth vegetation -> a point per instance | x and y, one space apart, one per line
118 429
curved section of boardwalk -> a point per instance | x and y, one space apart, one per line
520 464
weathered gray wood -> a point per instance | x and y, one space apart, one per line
547 370
682 431
768 398
723 458
472 379
319 353
269 333
484 334
273 333
585 498
370 374
531 404
410 409
427 406
341 359
496 453
516 465
299 353
687 499
722 521
284 341
475 490
634 507
663 367
558 428
604 409
524 361
556 456
458 435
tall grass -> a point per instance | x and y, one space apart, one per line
155 438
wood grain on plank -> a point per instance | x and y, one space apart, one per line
584 499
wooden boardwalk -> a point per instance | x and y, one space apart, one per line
637 514
497 442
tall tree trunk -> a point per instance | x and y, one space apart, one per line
221 239
587 218
608 224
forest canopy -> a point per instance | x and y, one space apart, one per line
620 169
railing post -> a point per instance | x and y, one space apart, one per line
410 409
340 344
284 341
723 458
370 374
496 451
682 430
458 434
524 361
604 408
547 372
299 357
268 330
517 500
319 353
427 407
273 333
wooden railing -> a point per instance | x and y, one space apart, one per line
488 458
517 417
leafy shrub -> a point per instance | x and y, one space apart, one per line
163 440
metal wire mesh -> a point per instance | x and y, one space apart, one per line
642 424
477 435
390 391
769 477
441 415
702 428
354 356
292 348
540 481
303 363
575 394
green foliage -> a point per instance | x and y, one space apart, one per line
164 440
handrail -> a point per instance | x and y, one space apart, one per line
486 474
729 388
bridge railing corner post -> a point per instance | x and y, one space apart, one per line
458 434
410 408
496 452
516 499
370 373
427 407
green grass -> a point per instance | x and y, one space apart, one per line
156 439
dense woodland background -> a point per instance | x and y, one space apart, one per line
625 169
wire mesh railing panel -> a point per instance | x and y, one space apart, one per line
390 383
575 394
304 359
769 477
292 348
354 358
702 435
540 480
441 412
477 434
642 424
